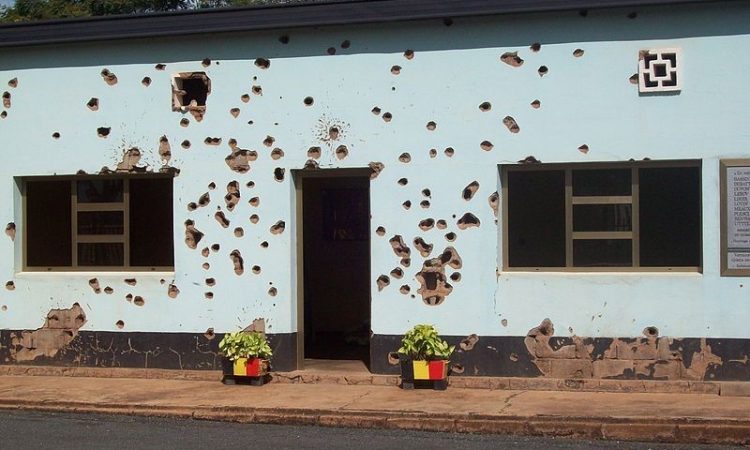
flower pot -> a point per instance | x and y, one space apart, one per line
419 372
253 370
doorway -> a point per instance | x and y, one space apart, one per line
336 259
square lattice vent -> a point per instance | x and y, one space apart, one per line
659 70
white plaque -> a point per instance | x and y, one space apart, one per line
738 217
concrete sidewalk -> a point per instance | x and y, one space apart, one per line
706 418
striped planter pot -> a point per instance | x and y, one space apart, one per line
253 369
423 371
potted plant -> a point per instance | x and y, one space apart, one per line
246 357
424 358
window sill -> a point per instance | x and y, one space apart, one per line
681 272
93 274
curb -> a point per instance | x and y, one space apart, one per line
682 430
724 388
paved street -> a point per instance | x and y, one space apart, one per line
35 430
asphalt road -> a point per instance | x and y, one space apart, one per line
36 430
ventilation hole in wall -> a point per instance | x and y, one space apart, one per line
422 247
512 59
535 47
206 266
583 149
468 220
55 135
511 124
450 237
237 262
109 77
277 153
210 282
375 110
346 44
257 90
278 174
215 247
397 273
103 132
387 117
486 146
578 52
403 181
426 192
409 54
254 218
264 244
404 289
263 63
93 104
424 204
256 269
120 324
406 204
542 71
426 224
278 227
431 125
273 291
536 104
208 295
470 190
308 101
456 276
206 62
313 152
382 282
138 300
284 39
404 158
160 66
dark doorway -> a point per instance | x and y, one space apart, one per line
336 240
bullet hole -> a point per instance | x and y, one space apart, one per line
308 101
13 82
212 141
10 285
486 146
234 112
441 224
146 81
263 63
542 71
404 158
103 132
346 44
404 289
529 160
233 195
433 153
403 181
313 152
165 150
426 224
406 204
651 332
120 324
632 15
382 282
264 244
4 308
494 201
434 286
278 174
10 230
284 39
583 149
470 190
93 104
129 297
215 248
109 77
173 291
387 117
447 21
257 90
333 133
536 104
204 199
431 125
633 79
468 220
6 99
331 50
239 232
192 235
254 218
273 291
209 334
256 270
511 124
397 273
206 266
422 247
426 193
221 218
278 227
342 152
255 201
578 52
485 106
206 62
406 262
512 59
395 70
268 141
208 295
250 184
424 204
237 262
409 54
160 66
205 252
138 301
210 282
162 281
185 144
449 152
583 12
504 322
380 231
456 276
3 114
535 47
94 284
450 237
239 160
399 246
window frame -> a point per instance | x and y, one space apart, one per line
75 208
632 199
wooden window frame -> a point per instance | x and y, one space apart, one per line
76 238
724 165
570 200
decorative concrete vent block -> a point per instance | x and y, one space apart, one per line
659 70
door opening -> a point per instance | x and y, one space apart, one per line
336 247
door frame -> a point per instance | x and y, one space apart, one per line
298 270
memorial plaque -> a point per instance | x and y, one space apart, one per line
736 217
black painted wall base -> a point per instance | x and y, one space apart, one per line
186 351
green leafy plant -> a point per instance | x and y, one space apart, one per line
242 344
423 343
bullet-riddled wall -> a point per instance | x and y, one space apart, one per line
434 108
